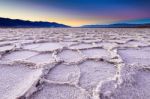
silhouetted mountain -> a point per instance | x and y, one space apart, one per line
6 22
119 25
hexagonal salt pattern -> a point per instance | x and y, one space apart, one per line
135 84
74 63
92 72
64 73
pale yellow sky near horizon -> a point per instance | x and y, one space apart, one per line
34 15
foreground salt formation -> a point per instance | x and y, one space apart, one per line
74 63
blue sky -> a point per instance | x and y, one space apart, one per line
77 12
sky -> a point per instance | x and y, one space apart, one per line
77 12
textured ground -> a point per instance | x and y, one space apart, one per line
74 63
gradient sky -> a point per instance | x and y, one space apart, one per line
77 12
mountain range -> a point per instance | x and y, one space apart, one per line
134 23
119 25
17 23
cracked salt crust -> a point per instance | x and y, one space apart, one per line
44 47
69 73
136 56
74 63
6 48
93 72
16 80
54 91
95 53
19 55
42 58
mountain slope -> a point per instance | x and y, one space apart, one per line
6 22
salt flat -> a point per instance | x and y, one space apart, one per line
75 63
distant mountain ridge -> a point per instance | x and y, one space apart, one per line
119 25
17 23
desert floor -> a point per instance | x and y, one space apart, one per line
74 63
